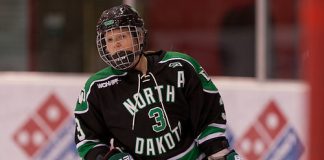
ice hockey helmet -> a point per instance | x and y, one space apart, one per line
122 16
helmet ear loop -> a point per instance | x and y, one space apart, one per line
137 35
138 38
145 40
142 39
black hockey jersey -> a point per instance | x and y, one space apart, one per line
172 112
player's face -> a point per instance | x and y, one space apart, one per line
119 40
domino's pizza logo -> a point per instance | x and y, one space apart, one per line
48 133
270 138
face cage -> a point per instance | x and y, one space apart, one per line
121 59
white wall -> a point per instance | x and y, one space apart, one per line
36 116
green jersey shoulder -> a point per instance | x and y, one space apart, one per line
82 105
205 80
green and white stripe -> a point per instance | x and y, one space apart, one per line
191 153
85 146
213 130
102 75
207 84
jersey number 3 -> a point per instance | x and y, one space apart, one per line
81 135
157 114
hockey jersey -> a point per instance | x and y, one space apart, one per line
174 111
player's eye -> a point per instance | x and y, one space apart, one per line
124 35
109 40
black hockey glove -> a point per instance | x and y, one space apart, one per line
232 155
117 154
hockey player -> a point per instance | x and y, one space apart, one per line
157 105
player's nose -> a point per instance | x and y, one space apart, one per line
117 45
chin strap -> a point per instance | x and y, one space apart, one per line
139 59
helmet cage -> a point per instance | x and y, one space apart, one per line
124 58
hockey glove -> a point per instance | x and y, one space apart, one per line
232 155
121 156
117 154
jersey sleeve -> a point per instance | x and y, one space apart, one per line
91 138
206 110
